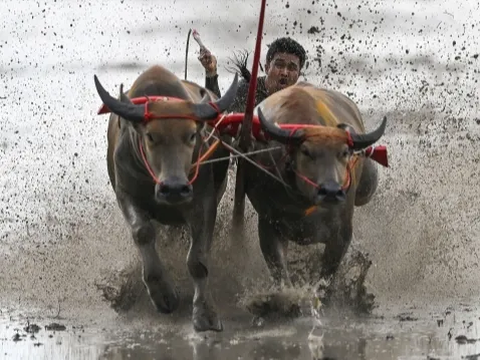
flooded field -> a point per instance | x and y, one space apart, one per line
428 333
66 254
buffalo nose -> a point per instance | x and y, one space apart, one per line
331 191
174 190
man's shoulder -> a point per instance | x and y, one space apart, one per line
243 86
244 83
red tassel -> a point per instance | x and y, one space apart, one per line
378 154
103 110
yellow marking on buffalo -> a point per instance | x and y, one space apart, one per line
326 113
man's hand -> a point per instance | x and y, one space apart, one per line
209 62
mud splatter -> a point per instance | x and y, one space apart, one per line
61 230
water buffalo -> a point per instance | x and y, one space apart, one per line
152 156
323 175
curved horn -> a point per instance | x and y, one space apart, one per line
126 110
362 141
207 112
279 134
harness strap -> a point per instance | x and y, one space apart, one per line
195 166
346 184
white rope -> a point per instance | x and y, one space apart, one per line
252 162
237 156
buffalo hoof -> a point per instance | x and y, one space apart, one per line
162 294
205 319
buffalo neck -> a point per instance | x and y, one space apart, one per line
279 163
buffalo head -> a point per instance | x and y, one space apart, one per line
320 156
169 133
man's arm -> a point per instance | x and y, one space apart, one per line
211 83
209 62
240 102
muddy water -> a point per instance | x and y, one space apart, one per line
63 241
425 333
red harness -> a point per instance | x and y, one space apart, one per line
346 184
229 124
149 116
196 165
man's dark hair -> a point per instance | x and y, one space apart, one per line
286 45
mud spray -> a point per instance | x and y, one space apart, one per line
123 288
62 234
230 262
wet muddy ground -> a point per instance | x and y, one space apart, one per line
66 256
430 333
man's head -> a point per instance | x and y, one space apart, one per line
285 60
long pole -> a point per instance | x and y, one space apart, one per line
186 52
244 143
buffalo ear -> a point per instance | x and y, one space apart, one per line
205 96
347 127
123 97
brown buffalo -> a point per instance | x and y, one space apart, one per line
324 176
153 148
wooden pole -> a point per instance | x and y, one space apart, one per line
245 133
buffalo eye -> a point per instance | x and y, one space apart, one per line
192 138
345 153
304 150
149 137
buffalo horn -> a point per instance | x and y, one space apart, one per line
362 141
204 111
276 133
126 110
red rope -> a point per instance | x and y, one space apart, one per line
252 89
148 116
147 165
196 166
346 183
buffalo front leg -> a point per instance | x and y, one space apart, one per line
334 253
273 247
202 225
158 283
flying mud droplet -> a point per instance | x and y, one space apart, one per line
55 327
